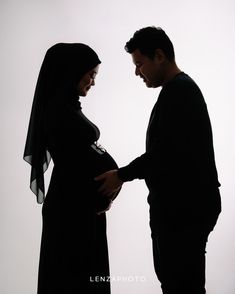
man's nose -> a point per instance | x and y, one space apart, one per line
93 83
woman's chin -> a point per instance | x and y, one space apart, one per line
83 94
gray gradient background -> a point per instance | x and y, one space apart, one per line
203 33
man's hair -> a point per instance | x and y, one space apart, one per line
148 39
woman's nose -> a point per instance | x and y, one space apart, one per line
137 72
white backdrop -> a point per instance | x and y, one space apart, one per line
203 34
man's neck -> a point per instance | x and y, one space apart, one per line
171 71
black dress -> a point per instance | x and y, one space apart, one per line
74 252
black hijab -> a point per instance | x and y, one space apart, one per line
63 67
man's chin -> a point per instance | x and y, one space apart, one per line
148 84
152 85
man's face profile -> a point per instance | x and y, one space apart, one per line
148 69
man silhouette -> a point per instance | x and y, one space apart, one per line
178 166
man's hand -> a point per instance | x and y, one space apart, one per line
111 183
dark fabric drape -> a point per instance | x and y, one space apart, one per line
63 66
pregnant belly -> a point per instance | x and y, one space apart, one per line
76 177
100 162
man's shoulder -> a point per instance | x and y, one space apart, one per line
182 84
182 81
182 89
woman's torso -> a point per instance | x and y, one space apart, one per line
71 140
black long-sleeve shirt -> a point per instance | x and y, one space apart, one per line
179 145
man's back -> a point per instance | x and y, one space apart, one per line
182 176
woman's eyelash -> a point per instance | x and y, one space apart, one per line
93 76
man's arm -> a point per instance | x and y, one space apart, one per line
170 146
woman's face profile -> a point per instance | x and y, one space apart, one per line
87 81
